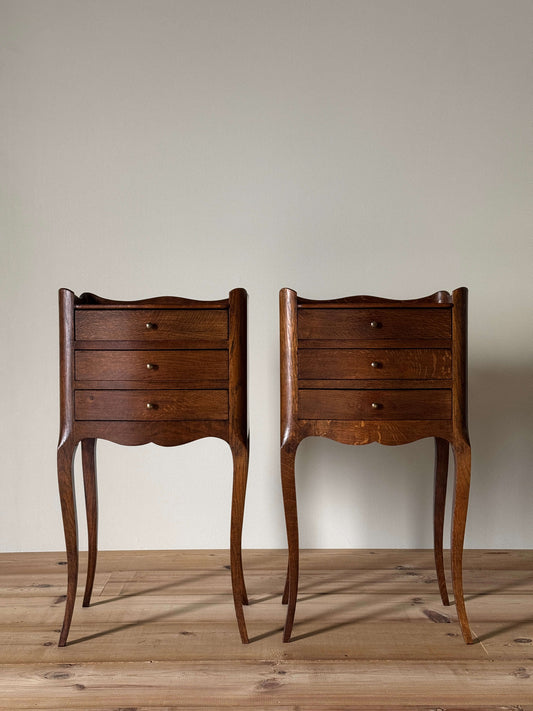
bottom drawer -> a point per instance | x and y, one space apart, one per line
374 404
151 405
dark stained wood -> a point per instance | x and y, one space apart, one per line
150 405
163 344
238 438
288 325
438 299
374 404
151 325
373 324
288 321
461 450
379 363
362 369
368 383
195 386
152 366
88 459
163 432
65 471
389 432
442 450
369 343
87 301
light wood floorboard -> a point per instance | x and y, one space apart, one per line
370 634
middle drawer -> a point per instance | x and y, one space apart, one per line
152 366
374 363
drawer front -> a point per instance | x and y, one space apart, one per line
151 325
374 363
388 404
152 366
374 324
151 405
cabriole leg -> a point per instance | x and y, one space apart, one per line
288 456
460 505
65 472
88 458
240 475
442 449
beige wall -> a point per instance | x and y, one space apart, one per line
337 147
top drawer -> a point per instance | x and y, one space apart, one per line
151 324
374 324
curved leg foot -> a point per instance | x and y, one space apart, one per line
88 458
288 455
240 475
442 449
65 457
460 504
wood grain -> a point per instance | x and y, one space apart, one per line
270 683
393 323
128 405
370 633
152 366
102 325
420 404
378 363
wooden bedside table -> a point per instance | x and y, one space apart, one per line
166 370
363 369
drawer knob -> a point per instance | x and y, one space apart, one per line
375 324
376 405
375 364
151 366
151 406
151 326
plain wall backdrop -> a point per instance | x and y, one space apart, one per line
338 147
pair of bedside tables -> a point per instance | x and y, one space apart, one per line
171 370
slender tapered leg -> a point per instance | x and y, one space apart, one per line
442 449
65 473
88 458
240 475
285 596
288 455
460 504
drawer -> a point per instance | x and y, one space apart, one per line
374 324
151 405
374 363
152 366
375 404
151 324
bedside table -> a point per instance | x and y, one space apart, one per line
363 369
166 370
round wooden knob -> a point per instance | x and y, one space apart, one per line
150 326
151 406
374 324
376 405
375 364
151 366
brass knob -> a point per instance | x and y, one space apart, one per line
374 324
150 326
151 366
376 405
151 406
375 364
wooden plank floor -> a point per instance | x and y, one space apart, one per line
370 634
